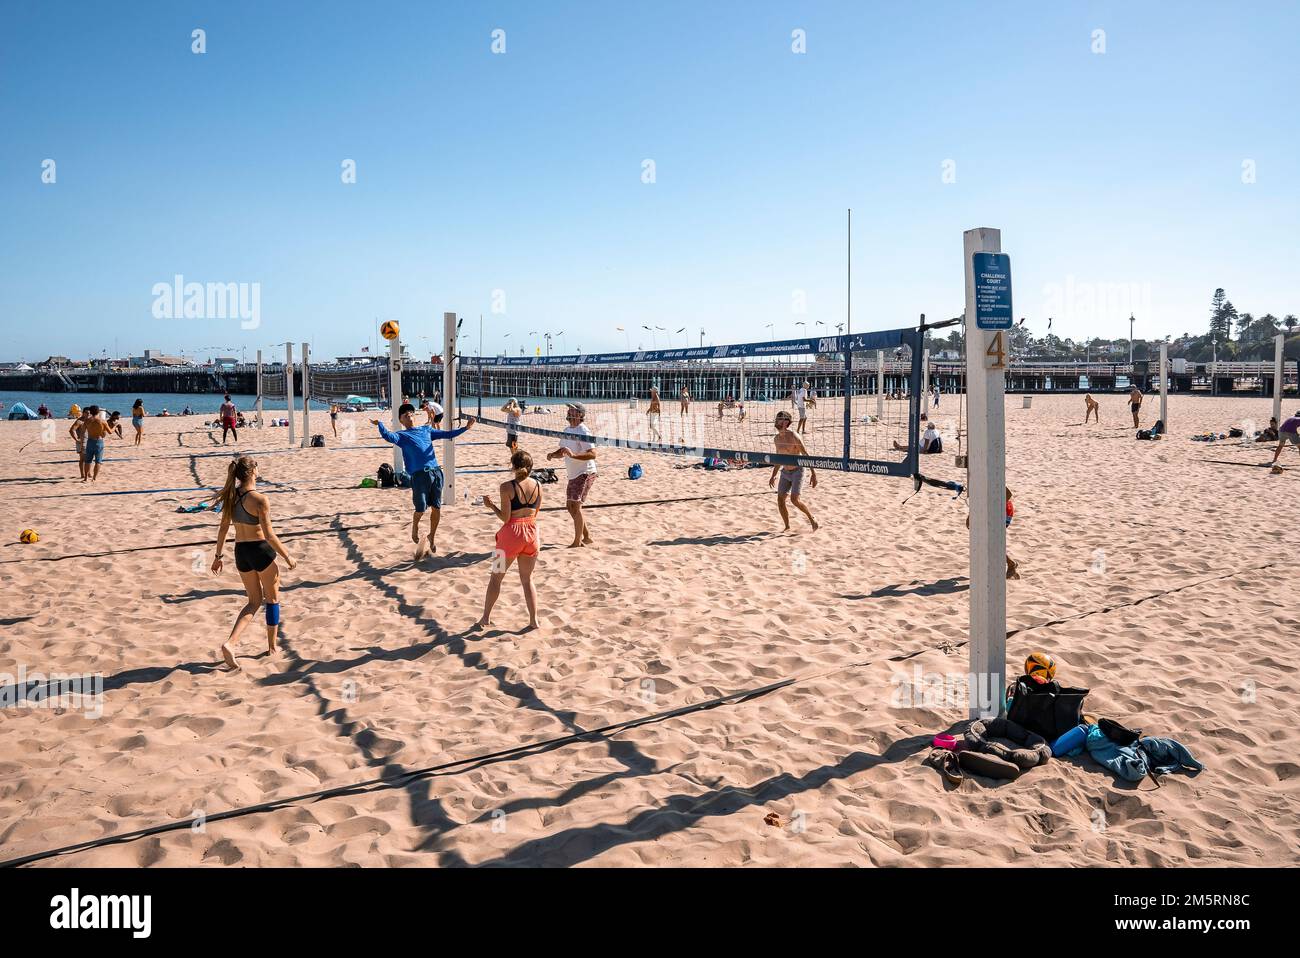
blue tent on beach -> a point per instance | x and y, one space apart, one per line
22 411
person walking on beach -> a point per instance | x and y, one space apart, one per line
1289 431
256 548
137 420
421 462
579 457
935 391
95 430
517 539
334 418
652 416
1134 404
229 419
789 444
1091 408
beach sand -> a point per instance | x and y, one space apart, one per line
1161 575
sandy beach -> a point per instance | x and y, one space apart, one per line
1161 575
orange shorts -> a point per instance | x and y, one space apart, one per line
519 537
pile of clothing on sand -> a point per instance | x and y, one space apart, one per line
1045 720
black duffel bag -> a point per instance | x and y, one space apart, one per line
1049 709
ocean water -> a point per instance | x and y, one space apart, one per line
200 403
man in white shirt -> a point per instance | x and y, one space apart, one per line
801 405
579 457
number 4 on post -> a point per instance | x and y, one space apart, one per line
997 352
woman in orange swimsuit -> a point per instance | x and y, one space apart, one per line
521 500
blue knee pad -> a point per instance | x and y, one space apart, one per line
273 613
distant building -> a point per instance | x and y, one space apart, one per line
226 362
153 358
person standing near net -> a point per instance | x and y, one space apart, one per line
334 418
421 462
579 457
513 412
652 415
1134 404
521 501
137 420
684 397
800 397
789 444
229 420
256 548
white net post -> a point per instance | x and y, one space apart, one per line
288 386
1164 385
258 403
880 384
740 396
1278 342
306 395
449 405
395 393
925 378
986 389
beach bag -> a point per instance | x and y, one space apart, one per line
318 442
1235 433
712 463
403 479
1049 710
634 471
386 478
1118 734
544 475
1144 434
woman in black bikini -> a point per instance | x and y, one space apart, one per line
521 501
256 547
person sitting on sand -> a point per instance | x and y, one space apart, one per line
187 411
1288 432
256 546
929 441
115 423
1134 404
579 457
1270 434
789 444
43 411
1091 408
421 461
518 538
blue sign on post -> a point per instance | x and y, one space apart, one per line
992 290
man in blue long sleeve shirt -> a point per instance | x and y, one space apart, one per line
421 461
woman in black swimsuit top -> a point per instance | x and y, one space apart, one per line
256 548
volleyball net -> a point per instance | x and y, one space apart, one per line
859 397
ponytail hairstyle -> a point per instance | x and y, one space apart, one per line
239 471
522 464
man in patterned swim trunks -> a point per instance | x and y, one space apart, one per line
579 457
789 444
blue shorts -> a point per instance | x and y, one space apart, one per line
426 489
94 450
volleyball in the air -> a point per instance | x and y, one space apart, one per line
390 329
28 535
1040 667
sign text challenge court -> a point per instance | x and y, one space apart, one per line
992 290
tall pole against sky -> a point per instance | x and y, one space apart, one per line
1131 321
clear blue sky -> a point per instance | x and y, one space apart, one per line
522 172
